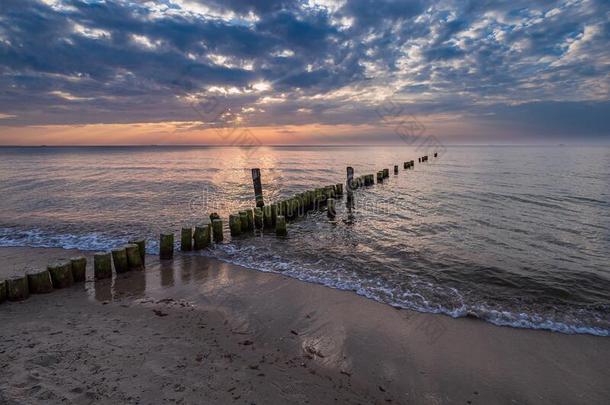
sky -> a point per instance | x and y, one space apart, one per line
95 72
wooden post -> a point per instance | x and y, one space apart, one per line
133 256
119 257
386 173
350 178
250 215
395 169
267 218
380 176
243 219
258 218
39 281
17 288
258 187
214 216
201 236
235 224
102 266
186 239
435 154
331 209
339 189
3 291
61 274
166 246
274 209
79 268
141 247
418 160
280 226
217 230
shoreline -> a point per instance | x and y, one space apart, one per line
361 348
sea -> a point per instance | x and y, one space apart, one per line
513 235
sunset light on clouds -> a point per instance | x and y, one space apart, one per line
302 72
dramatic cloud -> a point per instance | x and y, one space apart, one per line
524 66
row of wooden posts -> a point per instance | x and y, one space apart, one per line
65 273
132 256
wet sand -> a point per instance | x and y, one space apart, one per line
196 330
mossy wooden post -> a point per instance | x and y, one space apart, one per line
250 214
214 216
258 217
331 209
119 258
217 230
274 209
39 281
339 189
3 291
142 247
133 257
379 177
350 179
202 236
267 218
258 187
395 169
17 288
280 226
186 239
102 265
386 173
243 220
235 224
61 274
166 246
79 268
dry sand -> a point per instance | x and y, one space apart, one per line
196 330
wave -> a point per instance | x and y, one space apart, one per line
374 289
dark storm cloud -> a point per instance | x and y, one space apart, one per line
299 62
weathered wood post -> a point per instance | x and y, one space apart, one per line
39 281
250 214
102 265
418 160
280 226
235 224
186 239
201 236
435 154
274 209
79 268
350 179
134 259
166 246
380 176
142 248
243 219
386 173
17 288
395 169
258 218
61 274
3 291
331 209
339 189
119 258
267 218
258 187
217 230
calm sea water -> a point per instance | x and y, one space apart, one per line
517 236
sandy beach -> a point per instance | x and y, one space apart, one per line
197 330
